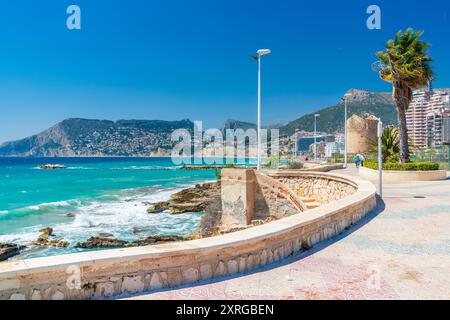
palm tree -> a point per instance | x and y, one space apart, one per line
390 145
405 63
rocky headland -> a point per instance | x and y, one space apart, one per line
204 198
196 199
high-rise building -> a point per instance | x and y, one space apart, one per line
416 118
426 117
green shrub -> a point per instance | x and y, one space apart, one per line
230 165
396 166
218 173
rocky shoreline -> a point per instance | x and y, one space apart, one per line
205 198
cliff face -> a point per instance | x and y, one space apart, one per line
369 97
84 137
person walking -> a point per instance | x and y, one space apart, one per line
362 157
357 160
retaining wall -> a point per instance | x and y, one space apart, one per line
100 274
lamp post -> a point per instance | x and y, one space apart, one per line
295 144
345 130
315 136
260 53
380 159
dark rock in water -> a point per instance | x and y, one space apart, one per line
158 207
157 240
70 215
204 198
102 242
105 242
44 239
136 230
52 166
9 250
195 199
105 235
46 233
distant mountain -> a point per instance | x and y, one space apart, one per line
331 119
236 124
232 124
83 137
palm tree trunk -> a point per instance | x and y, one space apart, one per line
402 96
403 134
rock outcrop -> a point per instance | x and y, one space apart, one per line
102 242
9 250
108 242
157 240
52 166
45 239
195 199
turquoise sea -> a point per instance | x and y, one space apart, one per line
91 196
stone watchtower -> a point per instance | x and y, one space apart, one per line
360 131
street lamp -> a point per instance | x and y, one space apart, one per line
315 136
260 53
380 158
295 144
345 129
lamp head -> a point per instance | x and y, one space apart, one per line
263 52
346 96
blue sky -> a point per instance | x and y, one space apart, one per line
142 59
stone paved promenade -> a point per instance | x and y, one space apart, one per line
400 251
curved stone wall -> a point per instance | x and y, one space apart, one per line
322 187
106 273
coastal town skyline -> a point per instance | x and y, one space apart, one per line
99 72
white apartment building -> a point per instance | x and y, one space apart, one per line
426 116
438 110
416 118
332 148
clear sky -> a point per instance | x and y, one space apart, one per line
148 59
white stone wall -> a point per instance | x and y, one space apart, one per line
322 188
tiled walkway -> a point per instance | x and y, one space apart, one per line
400 251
